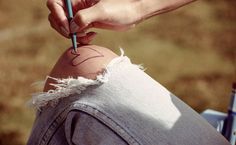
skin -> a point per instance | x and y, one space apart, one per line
88 62
105 14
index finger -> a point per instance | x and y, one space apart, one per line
57 8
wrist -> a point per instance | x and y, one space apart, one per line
149 8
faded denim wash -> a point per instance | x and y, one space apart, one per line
130 109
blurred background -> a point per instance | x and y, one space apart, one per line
191 51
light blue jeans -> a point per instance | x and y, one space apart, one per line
129 108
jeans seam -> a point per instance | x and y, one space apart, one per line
53 127
107 121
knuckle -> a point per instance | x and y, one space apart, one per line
50 4
81 19
78 17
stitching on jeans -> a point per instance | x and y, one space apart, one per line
98 115
53 127
107 121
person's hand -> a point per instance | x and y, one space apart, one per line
58 18
105 14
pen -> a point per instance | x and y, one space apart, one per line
70 17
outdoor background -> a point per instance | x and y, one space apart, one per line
191 51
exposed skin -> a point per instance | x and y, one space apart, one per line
88 62
106 14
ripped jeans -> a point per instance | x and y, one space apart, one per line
123 106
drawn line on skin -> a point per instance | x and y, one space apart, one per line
73 63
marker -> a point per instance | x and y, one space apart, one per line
73 35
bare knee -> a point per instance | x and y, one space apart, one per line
88 62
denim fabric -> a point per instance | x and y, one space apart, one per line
131 108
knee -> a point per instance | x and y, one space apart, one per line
88 62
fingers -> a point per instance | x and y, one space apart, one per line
97 16
58 17
85 17
58 28
85 38
82 38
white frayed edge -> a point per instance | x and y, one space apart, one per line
69 86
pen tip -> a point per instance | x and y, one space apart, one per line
75 50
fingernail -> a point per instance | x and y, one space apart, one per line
73 27
64 31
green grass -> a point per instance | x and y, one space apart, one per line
191 51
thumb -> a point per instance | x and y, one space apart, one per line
85 17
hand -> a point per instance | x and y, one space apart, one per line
58 18
105 14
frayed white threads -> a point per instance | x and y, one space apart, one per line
69 86
64 88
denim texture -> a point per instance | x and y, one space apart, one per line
130 109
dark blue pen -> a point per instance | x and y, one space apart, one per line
70 17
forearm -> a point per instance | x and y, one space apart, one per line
149 8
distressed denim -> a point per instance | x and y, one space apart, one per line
129 109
